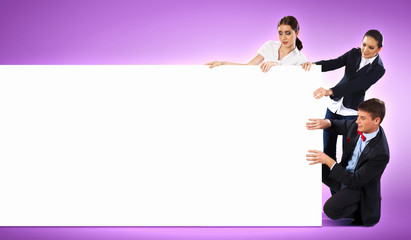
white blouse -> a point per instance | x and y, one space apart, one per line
269 51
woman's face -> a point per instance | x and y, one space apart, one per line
287 35
369 47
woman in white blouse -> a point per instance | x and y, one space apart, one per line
273 53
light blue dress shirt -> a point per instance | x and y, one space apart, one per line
352 163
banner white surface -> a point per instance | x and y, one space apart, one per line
158 146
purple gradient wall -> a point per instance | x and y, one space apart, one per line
196 31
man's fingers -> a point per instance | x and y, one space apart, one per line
314 156
312 126
312 123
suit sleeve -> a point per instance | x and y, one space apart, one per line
332 64
373 167
340 126
358 83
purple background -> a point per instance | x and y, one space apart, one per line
194 32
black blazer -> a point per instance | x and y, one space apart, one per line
354 84
367 173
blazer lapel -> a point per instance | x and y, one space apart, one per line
350 146
364 153
365 69
368 67
367 149
357 63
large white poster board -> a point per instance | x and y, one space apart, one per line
158 146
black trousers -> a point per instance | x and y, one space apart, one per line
344 203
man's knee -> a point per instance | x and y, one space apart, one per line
336 207
331 211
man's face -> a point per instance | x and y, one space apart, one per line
365 122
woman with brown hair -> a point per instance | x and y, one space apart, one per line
273 53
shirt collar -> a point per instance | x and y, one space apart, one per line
370 136
369 60
296 50
292 53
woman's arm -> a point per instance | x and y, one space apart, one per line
332 64
307 66
254 61
374 165
358 83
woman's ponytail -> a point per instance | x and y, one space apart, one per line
299 44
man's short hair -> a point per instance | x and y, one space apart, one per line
374 106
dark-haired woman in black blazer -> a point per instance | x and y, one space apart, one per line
363 68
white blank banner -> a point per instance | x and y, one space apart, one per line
158 146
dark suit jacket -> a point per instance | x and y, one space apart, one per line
354 84
367 174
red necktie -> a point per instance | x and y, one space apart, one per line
362 136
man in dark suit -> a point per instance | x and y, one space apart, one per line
356 179
363 68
